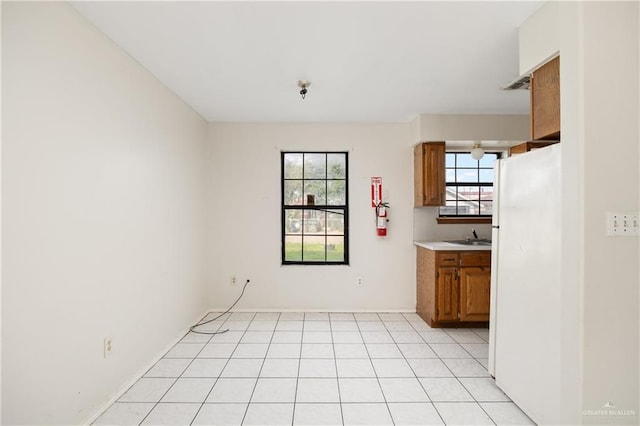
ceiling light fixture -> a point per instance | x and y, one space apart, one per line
303 84
477 152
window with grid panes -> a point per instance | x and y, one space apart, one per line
469 185
315 212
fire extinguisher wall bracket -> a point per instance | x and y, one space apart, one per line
381 218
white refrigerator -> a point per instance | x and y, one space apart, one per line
524 332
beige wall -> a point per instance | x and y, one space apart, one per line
102 216
610 155
499 127
599 54
244 184
540 37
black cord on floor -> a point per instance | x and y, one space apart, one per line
192 329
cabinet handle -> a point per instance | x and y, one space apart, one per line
449 258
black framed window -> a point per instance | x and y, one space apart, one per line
469 185
315 213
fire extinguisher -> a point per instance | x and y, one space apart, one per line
381 218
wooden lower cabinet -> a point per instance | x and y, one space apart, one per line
453 288
447 290
475 283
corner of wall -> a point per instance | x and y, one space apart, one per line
539 37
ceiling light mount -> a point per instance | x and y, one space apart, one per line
303 84
477 152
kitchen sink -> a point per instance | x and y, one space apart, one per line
471 242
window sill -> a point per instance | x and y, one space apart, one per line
462 220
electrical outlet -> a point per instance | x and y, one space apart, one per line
359 282
622 224
108 347
233 280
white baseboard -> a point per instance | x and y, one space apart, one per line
143 371
354 311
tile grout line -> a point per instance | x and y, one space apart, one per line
226 363
448 368
456 376
223 367
177 378
335 363
460 381
374 369
295 394
414 373
419 381
261 366
465 349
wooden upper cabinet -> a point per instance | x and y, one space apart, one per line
529 146
545 101
429 174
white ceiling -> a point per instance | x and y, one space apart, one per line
367 61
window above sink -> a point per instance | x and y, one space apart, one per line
469 185
469 182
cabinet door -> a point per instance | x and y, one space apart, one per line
529 146
545 101
424 271
475 258
447 294
429 174
475 285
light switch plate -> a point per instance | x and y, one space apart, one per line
622 224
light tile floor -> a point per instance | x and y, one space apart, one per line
320 369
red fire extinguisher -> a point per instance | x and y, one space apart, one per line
381 218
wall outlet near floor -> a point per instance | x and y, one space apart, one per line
108 347
359 282
233 280
622 224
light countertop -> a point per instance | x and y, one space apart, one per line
444 246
